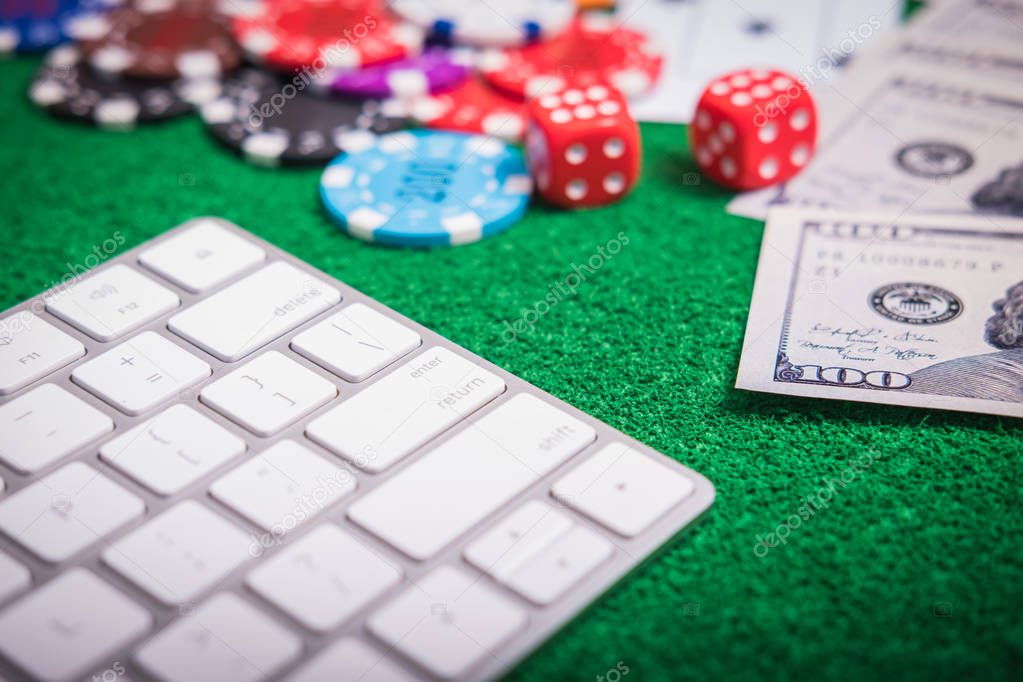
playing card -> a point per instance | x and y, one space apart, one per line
702 39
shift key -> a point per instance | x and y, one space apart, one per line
254 311
380 425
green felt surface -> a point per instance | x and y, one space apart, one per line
650 344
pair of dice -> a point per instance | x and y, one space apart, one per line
753 128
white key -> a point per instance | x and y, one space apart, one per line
323 578
223 639
31 348
202 256
67 511
282 487
141 373
70 625
46 424
172 450
181 553
447 622
356 342
13 577
111 303
268 393
622 489
449 490
254 311
517 539
560 565
415 402
350 660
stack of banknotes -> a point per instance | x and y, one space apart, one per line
892 268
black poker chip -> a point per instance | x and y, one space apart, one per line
67 87
273 120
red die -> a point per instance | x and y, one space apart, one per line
754 128
583 146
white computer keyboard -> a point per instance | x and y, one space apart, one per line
222 464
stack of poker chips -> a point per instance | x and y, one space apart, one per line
298 82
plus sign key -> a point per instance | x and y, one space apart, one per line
141 373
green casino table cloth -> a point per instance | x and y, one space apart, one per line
913 571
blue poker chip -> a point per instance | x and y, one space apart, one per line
35 25
424 188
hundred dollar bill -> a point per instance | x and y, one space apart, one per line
923 310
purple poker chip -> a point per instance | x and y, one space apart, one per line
435 69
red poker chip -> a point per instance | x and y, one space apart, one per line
161 39
472 107
292 34
593 50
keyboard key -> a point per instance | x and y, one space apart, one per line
560 565
455 486
447 622
400 412
31 348
181 553
356 342
323 578
67 511
69 626
350 660
518 538
224 639
268 393
45 425
283 487
111 303
254 311
622 489
172 450
13 577
202 256
141 373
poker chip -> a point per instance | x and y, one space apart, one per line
35 25
494 23
593 50
66 87
433 70
423 188
472 107
158 39
346 34
271 121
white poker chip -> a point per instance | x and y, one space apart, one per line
495 23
